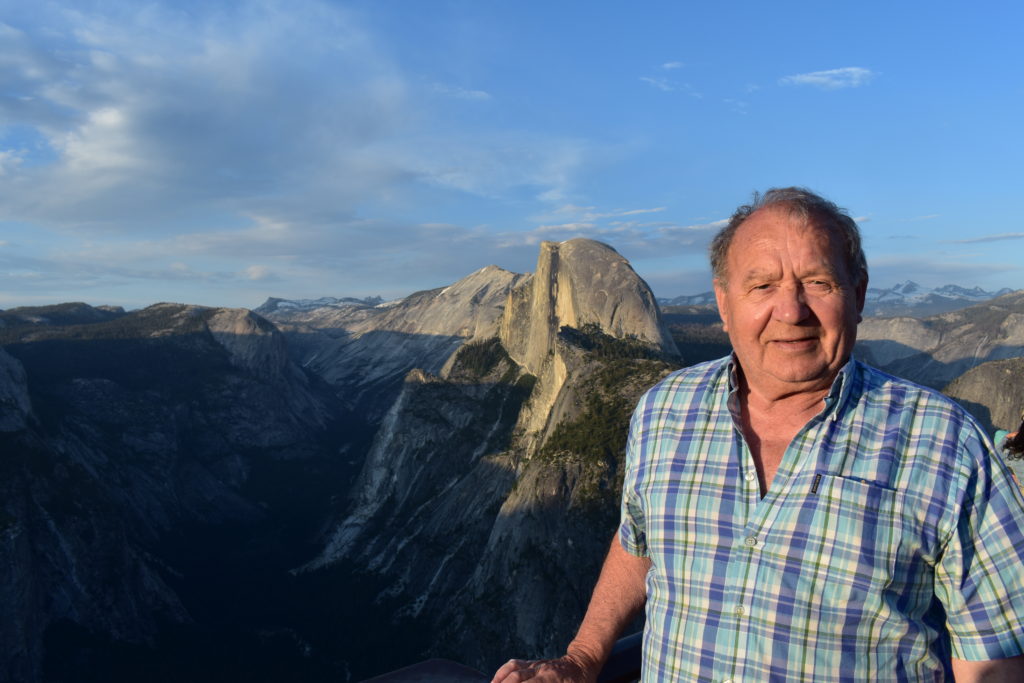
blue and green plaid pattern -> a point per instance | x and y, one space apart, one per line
890 539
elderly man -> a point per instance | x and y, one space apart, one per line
790 514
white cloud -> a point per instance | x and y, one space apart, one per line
1002 237
149 121
256 272
492 165
668 85
672 65
633 212
738 106
642 239
147 118
139 116
832 79
662 84
10 159
461 93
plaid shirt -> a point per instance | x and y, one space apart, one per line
889 541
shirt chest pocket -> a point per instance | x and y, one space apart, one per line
841 541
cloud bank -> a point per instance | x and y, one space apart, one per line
242 143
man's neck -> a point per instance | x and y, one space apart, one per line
771 420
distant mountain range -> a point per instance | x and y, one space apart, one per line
274 304
905 299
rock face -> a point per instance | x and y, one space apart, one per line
578 282
120 431
935 350
993 392
365 351
490 494
15 404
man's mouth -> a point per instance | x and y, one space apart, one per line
796 343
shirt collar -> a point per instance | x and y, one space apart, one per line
836 397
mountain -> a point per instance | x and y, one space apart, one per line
273 304
490 493
911 299
192 493
907 299
157 466
993 392
60 314
366 349
705 299
937 349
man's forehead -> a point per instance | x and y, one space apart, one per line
754 250
767 268
760 232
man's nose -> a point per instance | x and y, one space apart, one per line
791 304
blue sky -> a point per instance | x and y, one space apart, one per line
219 153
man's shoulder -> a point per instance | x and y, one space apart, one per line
874 379
881 386
694 378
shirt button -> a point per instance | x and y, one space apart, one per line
750 476
738 611
751 541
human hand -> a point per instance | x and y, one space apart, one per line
562 670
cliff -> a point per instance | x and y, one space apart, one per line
130 441
365 351
993 392
578 282
937 349
494 482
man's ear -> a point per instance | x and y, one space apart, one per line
723 306
862 291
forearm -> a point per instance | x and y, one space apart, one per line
618 598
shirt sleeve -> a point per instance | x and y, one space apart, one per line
632 534
980 575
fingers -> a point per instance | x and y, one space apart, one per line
513 671
518 670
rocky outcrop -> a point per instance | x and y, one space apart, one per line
15 404
483 471
937 349
366 351
578 282
532 580
993 392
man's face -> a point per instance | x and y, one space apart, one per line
788 304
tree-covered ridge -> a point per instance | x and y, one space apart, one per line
620 370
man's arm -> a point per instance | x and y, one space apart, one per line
1009 670
618 597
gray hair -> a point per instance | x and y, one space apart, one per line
801 203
